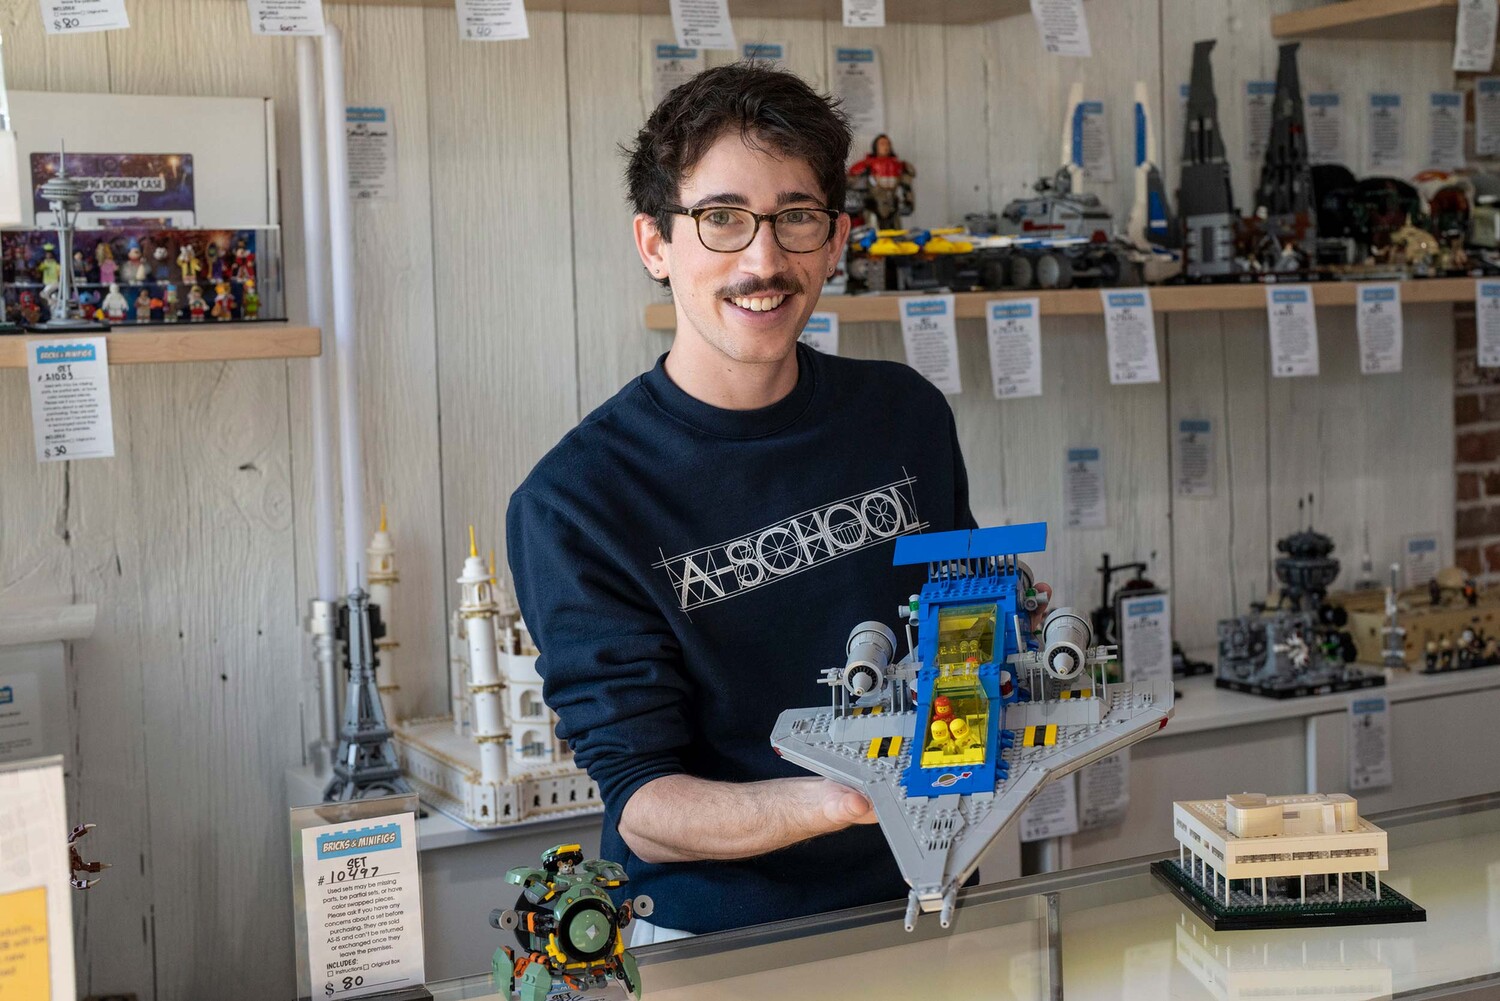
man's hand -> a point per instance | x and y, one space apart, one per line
680 818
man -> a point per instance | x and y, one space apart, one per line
695 551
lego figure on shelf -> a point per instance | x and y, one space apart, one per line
49 269
136 271
31 313
213 263
159 265
883 182
143 307
1245 861
171 308
108 269
196 307
188 263
223 309
568 927
80 268
79 869
244 263
250 300
115 305
88 306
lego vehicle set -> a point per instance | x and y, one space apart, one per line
1448 624
951 742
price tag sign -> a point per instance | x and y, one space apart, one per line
1487 312
822 333
492 20
1130 330
671 67
71 416
1145 627
286 17
1063 27
1260 95
1378 320
1015 336
69 17
1474 37
358 897
1325 128
1104 791
36 924
1369 743
1294 330
1084 500
703 24
931 339
1053 813
864 13
1193 459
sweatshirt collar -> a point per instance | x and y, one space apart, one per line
735 423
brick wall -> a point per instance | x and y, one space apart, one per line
1476 419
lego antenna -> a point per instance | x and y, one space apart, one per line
473 549
382 517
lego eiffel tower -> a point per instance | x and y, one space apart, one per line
366 762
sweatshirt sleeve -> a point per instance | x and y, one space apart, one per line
963 516
610 665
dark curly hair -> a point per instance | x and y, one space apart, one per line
771 110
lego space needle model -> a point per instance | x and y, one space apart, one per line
64 197
950 743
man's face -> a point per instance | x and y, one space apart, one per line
750 305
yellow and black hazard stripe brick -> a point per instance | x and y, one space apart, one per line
1078 693
866 711
884 747
1040 736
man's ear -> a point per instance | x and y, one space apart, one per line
655 249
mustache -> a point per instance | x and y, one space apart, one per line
783 284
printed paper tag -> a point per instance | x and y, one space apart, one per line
671 66
370 139
1090 139
1063 26
1194 459
1385 133
1369 743
1487 116
822 333
931 339
1445 129
1378 318
1104 791
1420 559
1474 39
1260 97
492 20
860 88
1294 330
864 13
1325 128
703 24
1145 629
1053 813
1487 320
286 17
1130 330
71 416
771 54
1015 337
1084 501
68 17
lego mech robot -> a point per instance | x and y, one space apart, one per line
567 926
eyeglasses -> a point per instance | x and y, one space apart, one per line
727 230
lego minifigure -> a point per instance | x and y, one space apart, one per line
188 263
196 307
105 255
115 307
223 303
49 270
1471 592
170 305
1435 592
213 262
30 311
244 263
143 307
250 301
88 306
159 263
885 181
136 270
80 267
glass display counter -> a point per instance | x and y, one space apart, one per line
1113 931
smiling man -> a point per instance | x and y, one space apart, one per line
692 555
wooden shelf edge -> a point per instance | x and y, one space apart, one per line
157 344
1086 302
897 11
1401 19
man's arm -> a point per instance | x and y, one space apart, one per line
680 818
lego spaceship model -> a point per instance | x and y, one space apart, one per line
951 742
568 928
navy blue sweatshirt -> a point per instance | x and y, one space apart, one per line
687 572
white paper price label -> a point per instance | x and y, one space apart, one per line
1474 38
1090 141
492 20
1487 116
1063 27
1084 499
1053 813
1378 317
1130 331
703 24
864 13
1487 320
1421 559
1260 96
770 54
1104 791
860 87
67 17
1015 341
364 907
1193 457
931 340
671 66
1325 128
1445 129
370 139
1145 629
822 333
286 17
1369 743
71 415
1294 330
1385 133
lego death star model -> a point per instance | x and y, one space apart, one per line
950 743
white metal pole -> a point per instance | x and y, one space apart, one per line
341 246
320 621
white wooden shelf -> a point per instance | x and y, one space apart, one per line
1086 302
1401 20
913 11
182 342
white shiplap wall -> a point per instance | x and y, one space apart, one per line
499 301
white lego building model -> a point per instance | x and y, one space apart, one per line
493 761
1253 837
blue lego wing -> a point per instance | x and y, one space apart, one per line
1001 540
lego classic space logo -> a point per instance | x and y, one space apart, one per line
799 543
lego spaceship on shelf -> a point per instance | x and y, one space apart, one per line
568 928
950 743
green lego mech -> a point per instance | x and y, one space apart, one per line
567 926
